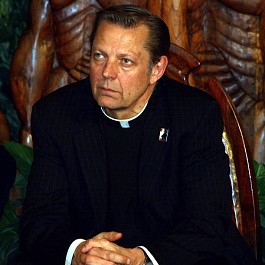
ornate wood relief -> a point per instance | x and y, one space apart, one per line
227 36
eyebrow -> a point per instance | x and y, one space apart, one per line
121 54
129 54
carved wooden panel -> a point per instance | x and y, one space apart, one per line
227 36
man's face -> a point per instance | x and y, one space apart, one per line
120 73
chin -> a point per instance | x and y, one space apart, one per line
107 105
106 102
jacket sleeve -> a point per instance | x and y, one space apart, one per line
203 227
45 233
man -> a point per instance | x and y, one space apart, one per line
129 165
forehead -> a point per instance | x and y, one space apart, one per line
109 33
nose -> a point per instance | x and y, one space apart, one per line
110 70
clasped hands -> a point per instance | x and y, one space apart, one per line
101 250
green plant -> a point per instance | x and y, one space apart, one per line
9 222
260 179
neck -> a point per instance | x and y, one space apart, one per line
119 115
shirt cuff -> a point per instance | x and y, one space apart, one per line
71 250
150 256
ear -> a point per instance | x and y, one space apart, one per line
158 69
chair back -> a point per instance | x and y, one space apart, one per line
180 64
243 180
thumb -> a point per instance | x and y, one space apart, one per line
111 236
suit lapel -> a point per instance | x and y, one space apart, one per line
153 149
91 154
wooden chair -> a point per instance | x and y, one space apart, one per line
181 64
243 181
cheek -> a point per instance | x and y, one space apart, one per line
94 72
92 68
93 80
143 79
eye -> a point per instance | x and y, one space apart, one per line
126 61
98 55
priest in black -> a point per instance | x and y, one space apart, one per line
129 165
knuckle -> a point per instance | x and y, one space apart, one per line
105 241
110 256
91 241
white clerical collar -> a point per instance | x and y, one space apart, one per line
124 123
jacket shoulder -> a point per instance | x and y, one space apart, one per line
67 100
187 106
65 97
183 91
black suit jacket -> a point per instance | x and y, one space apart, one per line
184 201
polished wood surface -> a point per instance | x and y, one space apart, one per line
181 64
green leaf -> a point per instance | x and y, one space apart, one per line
259 170
262 204
9 244
23 155
260 179
262 220
21 181
9 222
8 218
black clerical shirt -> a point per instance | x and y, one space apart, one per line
123 148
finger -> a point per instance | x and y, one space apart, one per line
86 259
78 253
111 236
109 256
99 243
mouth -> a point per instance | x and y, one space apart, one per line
108 89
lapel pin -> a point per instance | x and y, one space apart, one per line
163 135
